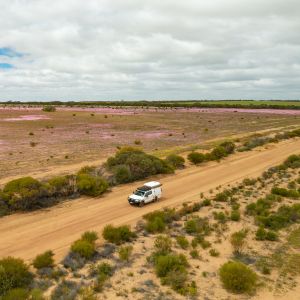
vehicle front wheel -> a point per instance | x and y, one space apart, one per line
142 203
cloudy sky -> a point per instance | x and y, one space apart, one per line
158 49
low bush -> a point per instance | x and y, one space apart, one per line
292 161
62 186
84 248
249 181
156 225
17 294
223 196
262 235
73 261
117 235
214 252
262 206
14 273
171 262
102 272
162 245
44 260
194 254
139 165
90 236
294 194
125 252
49 108
122 174
235 215
218 153
255 142
237 277
283 217
238 241
197 225
158 220
220 217
228 146
91 185
24 193
176 161
196 157
182 242
66 290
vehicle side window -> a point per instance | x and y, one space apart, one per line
149 193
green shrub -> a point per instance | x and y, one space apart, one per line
162 245
61 186
91 185
157 220
104 268
285 216
261 207
117 235
16 294
238 241
49 108
294 194
218 153
220 217
122 174
249 181
90 236
156 225
14 273
228 146
194 254
102 272
182 242
271 236
197 225
214 252
83 248
171 262
235 215
223 196
292 161
196 157
237 277
44 260
66 290
263 234
176 161
23 193
125 252
139 164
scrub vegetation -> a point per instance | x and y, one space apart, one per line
242 239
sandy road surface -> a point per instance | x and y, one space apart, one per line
25 235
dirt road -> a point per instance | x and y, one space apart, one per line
25 235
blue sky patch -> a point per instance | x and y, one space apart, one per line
6 66
8 52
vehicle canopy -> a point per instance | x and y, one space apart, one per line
152 184
148 186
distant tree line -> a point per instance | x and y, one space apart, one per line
252 104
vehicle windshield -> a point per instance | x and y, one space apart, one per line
139 193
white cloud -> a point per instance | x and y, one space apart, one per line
132 49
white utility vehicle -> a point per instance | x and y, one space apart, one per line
149 192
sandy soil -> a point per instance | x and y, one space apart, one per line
25 235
